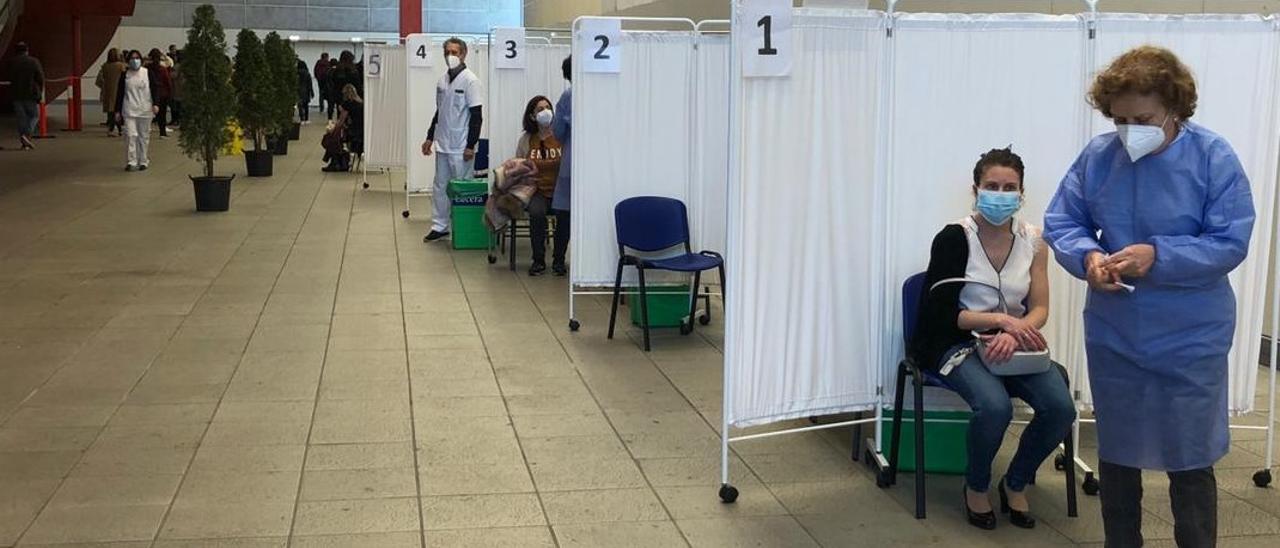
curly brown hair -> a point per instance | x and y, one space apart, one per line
1146 70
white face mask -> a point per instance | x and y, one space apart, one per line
544 117
1140 140
452 61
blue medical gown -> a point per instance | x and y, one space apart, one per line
1158 356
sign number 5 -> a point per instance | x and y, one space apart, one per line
765 49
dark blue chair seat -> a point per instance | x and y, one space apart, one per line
651 224
913 291
689 262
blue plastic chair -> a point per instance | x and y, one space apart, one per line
912 292
652 224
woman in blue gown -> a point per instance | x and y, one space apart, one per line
1154 216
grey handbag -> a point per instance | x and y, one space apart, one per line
1023 362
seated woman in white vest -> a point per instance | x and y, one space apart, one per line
1003 298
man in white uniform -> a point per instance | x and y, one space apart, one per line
454 131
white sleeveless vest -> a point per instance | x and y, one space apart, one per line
1014 280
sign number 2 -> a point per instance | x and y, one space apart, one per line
766 23
604 45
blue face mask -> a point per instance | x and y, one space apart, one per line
998 207
135 64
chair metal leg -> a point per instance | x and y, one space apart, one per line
693 304
1070 452
895 441
857 440
919 435
644 308
511 256
617 292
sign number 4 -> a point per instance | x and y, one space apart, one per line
418 50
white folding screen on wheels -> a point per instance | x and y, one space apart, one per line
631 136
511 89
710 184
420 106
1234 61
963 85
805 314
384 105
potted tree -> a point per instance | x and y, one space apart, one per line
253 88
283 69
206 85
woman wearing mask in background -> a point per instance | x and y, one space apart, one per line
107 81
161 89
1006 253
305 93
135 108
538 143
1154 217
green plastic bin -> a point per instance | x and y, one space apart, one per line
666 308
945 447
466 211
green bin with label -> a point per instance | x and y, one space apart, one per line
668 305
466 210
945 444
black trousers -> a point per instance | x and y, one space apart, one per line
539 208
304 110
1193 496
175 112
162 117
332 106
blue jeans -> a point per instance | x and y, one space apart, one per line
989 397
28 113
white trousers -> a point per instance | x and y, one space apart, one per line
137 135
448 168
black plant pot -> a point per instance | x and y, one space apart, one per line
295 132
212 193
279 146
258 162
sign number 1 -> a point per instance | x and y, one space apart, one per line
766 23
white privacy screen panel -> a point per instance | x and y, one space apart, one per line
963 85
510 91
709 192
805 307
1234 61
384 106
632 136
421 106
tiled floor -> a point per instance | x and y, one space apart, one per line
304 371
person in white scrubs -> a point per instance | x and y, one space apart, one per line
135 108
454 131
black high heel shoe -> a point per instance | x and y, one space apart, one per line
981 520
1016 517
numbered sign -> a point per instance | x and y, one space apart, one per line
599 45
373 65
762 29
508 49
419 51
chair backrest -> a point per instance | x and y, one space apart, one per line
912 290
651 223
